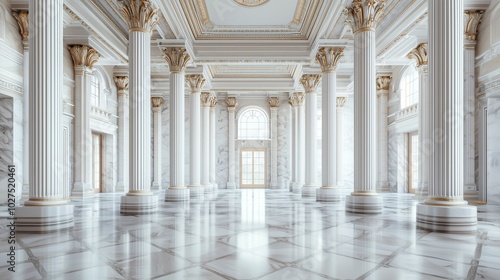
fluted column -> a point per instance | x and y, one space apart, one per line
177 59
424 136
294 102
274 103
84 58
310 83
46 209
206 99
328 58
157 103
301 143
363 16
195 84
213 151
22 18
232 102
141 18
340 140
445 209
383 83
123 133
472 21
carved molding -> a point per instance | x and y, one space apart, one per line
251 3
140 15
328 58
83 56
310 82
195 82
419 54
297 99
156 102
274 102
232 102
341 101
383 82
177 59
472 19
22 18
121 83
364 15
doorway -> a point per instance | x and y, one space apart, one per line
253 169
412 162
97 162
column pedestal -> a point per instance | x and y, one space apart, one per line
363 204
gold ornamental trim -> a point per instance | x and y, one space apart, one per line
156 102
83 56
177 59
121 83
341 101
472 21
232 102
364 15
383 82
206 99
140 15
274 102
296 99
195 82
420 55
22 18
310 82
329 58
251 3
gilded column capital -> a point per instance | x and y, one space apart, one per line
274 102
22 18
472 19
83 56
328 58
383 82
341 100
231 102
121 84
213 102
206 99
310 82
156 102
177 58
364 15
419 54
195 82
297 99
140 15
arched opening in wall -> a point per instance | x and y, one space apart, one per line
409 87
253 124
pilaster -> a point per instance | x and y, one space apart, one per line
232 102
274 103
383 84
213 151
340 140
157 103
206 100
122 86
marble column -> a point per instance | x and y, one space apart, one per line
213 151
382 154
294 102
195 84
424 136
232 102
274 103
310 83
141 18
301 143
123 133
363 16
340 140
472 21
206 99
84 58
328 58
46 209
22 18
444 209
156 103
177 59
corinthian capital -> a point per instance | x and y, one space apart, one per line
297 99
364 15
121 83
419 54
206 99
83 56
328 58
383 82
195 82
341 101
177 58
22 18
156 102
140 15
231 102
472 19
274 102
310 82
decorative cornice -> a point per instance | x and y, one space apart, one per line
341 101
364 15
472 19
22 18
195 82
383 82
121 83
274 102
419 54
297 99
156 102
140 15
177 59
232 102
206 99
328 58
83 56
251 3
310 82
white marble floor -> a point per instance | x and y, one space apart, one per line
254 234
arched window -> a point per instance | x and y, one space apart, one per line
409 87
253 124
98 90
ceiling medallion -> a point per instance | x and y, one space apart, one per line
251 3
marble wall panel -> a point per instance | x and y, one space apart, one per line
284 145
222 144
393 161
493 151
165 150
348 138
6 143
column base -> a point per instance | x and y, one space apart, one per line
231 185
290 186
471 196
383 186
196 191
328 194
42 219
176 194
138 204
363 204
82 190
156 186
447 218
309 191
